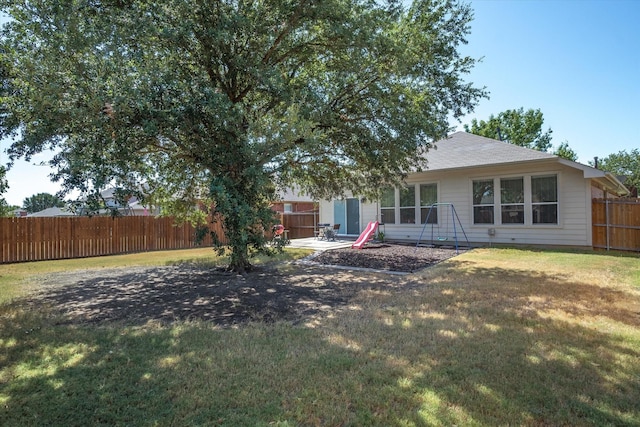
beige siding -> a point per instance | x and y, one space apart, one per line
574 191
369 213
326 212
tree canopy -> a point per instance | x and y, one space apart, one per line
518 127
625 164
523 128
3 179
41 201
566 152
222 101
5 208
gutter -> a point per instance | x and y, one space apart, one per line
609 181
615 185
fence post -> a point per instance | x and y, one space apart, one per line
606 221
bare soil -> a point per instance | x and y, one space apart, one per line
296 293
399 258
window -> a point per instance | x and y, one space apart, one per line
483 203
544 199
522 200
288 208
428 196
388 206
408 205
512 200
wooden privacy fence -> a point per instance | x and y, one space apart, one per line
616 224
300 224
38 239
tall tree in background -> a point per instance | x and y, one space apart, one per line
519 127
228 99
523 128
41 201
5 208
566 152
625 164
4 185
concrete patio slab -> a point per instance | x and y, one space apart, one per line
319 245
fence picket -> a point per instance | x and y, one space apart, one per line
300 225
39 239
616 224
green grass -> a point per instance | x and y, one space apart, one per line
492 337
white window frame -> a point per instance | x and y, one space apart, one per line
405 208
556 203
386 208
415 207
502 205
474 205
421 206
528 202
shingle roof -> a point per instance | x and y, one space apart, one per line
292 194
51 212
462 149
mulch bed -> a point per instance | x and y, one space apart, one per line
399 258
297 293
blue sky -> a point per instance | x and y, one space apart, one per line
578 61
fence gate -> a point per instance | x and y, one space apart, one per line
616 224
300 224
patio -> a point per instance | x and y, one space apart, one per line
320 245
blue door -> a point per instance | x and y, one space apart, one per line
340 215
353 216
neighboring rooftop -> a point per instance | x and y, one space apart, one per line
50 212
290 194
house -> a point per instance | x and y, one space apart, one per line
132 207
51 212
20 213
290 200
500 193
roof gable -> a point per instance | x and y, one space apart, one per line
466 150
462 150
49 212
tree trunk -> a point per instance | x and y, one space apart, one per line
243 199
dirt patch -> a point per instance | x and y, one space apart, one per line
295 293
399 258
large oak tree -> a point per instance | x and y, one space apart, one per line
228 99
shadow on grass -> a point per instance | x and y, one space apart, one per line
189 292
480 346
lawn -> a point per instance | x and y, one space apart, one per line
491 337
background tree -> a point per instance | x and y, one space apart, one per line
623 163
6 209
4 185
566 152
519 127
41 201
225 100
